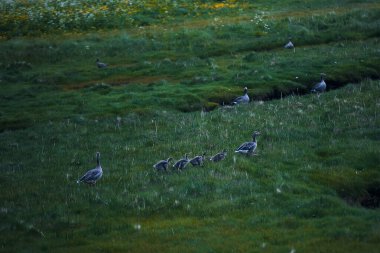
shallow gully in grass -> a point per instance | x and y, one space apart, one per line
279 94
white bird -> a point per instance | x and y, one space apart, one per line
91 176
248 147
100 65
242 99
320 87
220 156
181 164
163 164
198 160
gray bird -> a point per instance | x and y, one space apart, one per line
91 176
220 156
248 147
163 164
181 164
242 99
320 87
289 45
198 160
100 65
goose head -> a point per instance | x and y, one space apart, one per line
255 133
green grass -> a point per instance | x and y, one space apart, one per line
197 63
313 187
317 160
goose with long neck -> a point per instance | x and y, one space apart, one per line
163 164
219 156
181 164
242 99
91 176
250 146
321 86
198 160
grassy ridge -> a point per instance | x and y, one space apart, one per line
317 165
197 64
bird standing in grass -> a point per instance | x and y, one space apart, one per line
220 156
163 164
242 99
198 160
248 147
321 86
181 164
91 176
100 64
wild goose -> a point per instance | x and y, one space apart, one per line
320 87
163 164
100 65
91 176
220 156
198 160
248 147
242 99
181 164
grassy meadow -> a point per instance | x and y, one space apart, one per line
314 185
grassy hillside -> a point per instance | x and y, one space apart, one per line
314 185
186 63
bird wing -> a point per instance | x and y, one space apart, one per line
160 163
316 87
320 86
91 175
246 146
289 45
241 99
179 163
238 100
195 160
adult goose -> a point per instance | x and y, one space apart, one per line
198 160
100 64
242 99
220 156
248 147
320 87
91 176
163 164
181 164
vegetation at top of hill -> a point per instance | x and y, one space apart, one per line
187 63
44 16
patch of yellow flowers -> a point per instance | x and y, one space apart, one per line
49 15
